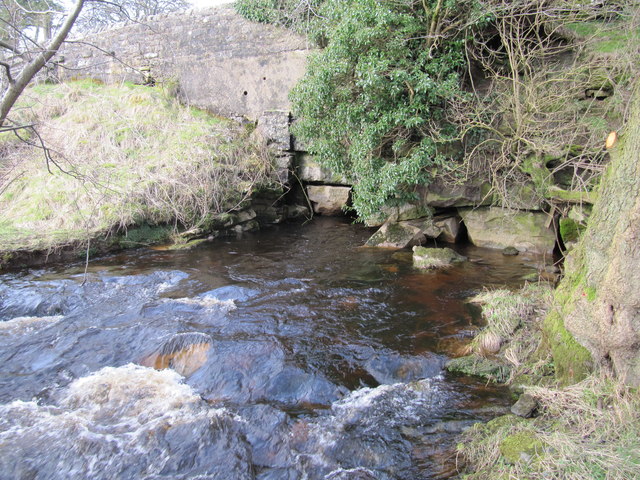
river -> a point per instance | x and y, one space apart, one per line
291 353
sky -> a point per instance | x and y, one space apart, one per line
209 3
196 3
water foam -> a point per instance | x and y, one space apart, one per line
23 325
209 303
124 422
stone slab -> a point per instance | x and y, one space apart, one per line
494 227
327 199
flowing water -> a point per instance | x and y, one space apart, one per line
292 353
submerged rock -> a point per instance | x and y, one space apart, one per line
479 366
435 257
184 352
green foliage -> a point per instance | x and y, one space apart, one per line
289 13
372 105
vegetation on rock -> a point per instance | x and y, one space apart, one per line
519 93
590 430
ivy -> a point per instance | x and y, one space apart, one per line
372 105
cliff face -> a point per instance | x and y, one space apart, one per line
599 298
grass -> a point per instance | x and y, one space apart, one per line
606 37
590 430
128 155
509 348
510 316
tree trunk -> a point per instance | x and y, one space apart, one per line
599 298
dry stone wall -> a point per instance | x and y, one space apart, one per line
218 60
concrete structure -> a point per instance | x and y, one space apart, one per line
217 60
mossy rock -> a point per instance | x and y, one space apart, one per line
479 366
435 257
503 421
521 446
570 230
187 245
499 426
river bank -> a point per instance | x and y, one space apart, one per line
125 166
589 429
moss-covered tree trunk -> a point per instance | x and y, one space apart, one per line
598 301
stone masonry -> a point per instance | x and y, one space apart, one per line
217 60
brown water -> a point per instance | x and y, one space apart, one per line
291 353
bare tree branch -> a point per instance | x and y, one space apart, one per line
7 68
34 66
9 47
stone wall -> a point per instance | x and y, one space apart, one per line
219 61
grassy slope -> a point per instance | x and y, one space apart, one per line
590 430
135 156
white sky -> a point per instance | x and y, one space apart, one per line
209 3
196 3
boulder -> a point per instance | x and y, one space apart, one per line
493 227
525 406
426 226
435 257
397 235
328 200
402 234
450 226
400 213
310 171
469 194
